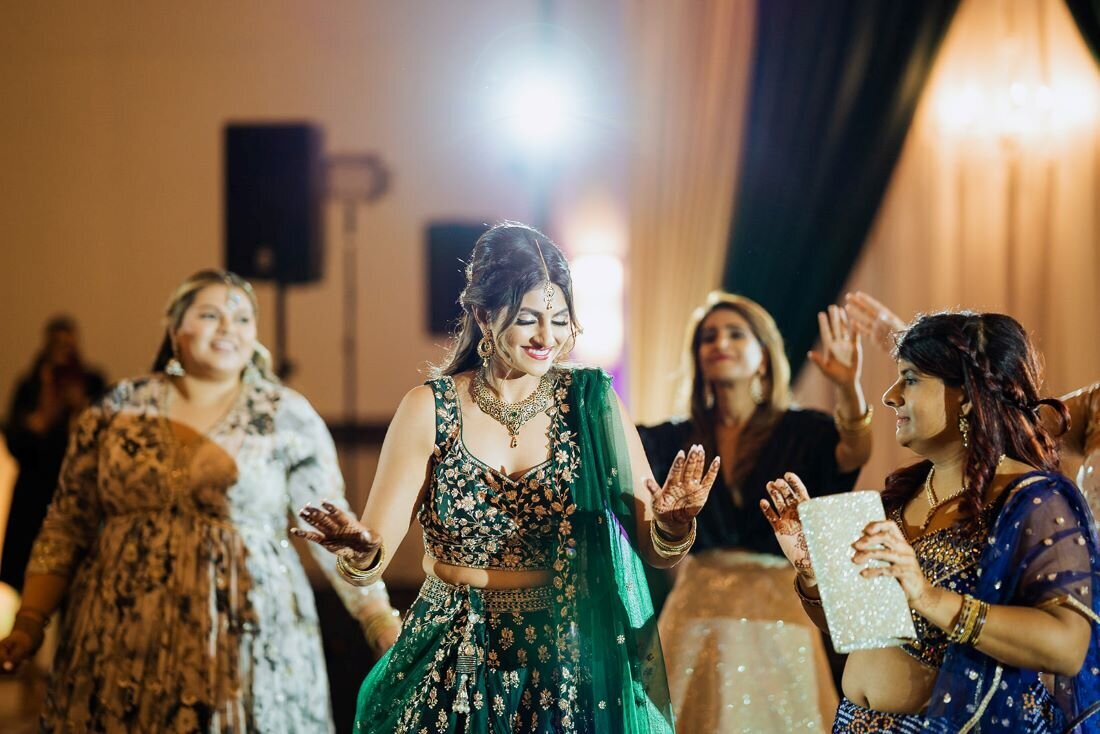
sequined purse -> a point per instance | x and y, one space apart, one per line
862 613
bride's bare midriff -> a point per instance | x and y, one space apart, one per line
480 578
888 680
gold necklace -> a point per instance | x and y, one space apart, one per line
513 415
934 503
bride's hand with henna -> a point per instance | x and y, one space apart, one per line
339 532
786 494
685 491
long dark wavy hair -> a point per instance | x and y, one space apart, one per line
990 357
182 299
777 382
503 267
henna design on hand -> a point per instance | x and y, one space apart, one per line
338 532
685 490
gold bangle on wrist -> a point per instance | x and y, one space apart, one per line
667 549
378 621
968 627
958 630
983 612
854 425
362 576
805 598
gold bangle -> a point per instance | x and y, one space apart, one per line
807 600
853 425
376 622
979 623
664 548
964 625
360 576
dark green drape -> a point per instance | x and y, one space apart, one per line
1087 15
835 85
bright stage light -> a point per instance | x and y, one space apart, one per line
539 110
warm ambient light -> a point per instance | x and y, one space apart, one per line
1017 110
598 291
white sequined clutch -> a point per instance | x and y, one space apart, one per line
863 613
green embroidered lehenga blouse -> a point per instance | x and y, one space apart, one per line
578 655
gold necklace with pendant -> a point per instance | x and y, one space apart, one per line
513 415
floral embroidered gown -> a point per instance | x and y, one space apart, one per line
188 610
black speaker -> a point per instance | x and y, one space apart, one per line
273 202
449 247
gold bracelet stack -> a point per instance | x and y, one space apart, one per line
378 621
362 576
968 627
671 549
854 425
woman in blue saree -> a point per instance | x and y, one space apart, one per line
997 552
535 615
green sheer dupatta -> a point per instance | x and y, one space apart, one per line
614 629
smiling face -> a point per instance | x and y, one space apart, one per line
537 336
728 349
927 410
216 336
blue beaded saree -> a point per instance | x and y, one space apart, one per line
1043 551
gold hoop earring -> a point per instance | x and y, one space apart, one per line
486 348
756 390
964 429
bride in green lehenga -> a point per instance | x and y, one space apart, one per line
535 615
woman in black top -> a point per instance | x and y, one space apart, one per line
741 655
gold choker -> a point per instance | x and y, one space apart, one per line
513 415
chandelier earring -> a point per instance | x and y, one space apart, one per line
173 367
756 390
486 348
964 429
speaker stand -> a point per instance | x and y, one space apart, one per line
284 368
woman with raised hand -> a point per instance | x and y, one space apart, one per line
537 505
186 608
996 552
880 325
741 654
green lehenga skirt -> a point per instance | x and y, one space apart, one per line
474 660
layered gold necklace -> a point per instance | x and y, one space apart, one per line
513 415
933 502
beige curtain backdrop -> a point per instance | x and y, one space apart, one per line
995 203
691 79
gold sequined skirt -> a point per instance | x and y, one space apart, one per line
742 655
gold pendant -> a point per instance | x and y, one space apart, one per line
514 442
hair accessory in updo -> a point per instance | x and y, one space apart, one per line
548 290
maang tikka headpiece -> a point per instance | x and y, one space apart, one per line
548 290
